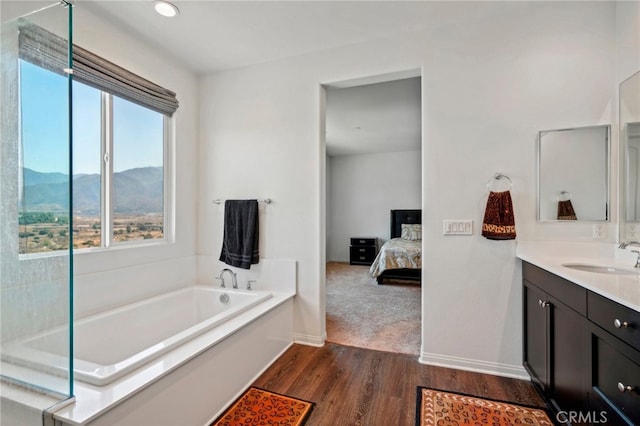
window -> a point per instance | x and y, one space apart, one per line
121 127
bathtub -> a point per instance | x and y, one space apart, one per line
110 344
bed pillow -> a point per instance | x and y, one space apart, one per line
411 232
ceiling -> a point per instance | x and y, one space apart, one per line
210 35
374 118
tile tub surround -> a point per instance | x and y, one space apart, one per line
624 289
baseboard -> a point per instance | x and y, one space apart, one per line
495 368
309 340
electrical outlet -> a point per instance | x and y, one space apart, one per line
633 232
599 231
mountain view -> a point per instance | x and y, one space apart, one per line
44 219
136 191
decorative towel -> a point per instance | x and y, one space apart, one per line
240 241
499 222
565 211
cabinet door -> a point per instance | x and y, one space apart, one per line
536 335
568 357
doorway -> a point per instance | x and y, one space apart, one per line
373 140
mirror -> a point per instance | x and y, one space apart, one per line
573 174
630 146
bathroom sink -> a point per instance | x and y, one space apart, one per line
600 269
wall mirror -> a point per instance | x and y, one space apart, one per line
573 174
630 147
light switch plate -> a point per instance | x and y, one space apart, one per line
457 227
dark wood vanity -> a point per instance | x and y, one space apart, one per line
581 350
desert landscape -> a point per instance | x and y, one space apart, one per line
53 235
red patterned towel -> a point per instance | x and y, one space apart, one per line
565 211
499 222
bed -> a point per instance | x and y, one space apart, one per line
400 258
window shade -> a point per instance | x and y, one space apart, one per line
49 51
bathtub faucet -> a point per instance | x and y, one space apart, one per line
234 279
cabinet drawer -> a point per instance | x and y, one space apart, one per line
613 316
613 369
565 291
363 242
362 254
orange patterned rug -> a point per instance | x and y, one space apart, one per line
261 407
437 407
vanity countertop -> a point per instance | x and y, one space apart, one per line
624 289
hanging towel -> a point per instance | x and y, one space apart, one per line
499 222
240 241
565 211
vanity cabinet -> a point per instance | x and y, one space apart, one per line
555 338
614 335
581 349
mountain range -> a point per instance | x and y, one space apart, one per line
136 191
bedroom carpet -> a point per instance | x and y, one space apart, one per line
364 314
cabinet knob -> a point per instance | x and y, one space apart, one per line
623 388
543 304
620 324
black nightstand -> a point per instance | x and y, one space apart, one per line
363 251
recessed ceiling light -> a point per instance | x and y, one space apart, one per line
165 8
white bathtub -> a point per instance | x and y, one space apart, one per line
111 344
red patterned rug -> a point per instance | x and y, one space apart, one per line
261 407
437 407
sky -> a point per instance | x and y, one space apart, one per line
137 133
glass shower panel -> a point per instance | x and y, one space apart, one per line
36 283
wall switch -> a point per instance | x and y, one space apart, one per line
457 227
599 231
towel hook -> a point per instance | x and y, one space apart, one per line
499 179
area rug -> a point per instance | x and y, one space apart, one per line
436 407
260 407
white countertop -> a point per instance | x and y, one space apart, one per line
550 256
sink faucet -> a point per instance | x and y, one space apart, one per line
234 280
623 245
637 259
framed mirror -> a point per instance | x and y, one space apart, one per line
573 174
630 147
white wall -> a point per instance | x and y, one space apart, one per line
362 189
494 74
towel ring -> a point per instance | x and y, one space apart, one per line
499 182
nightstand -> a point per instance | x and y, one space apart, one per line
363 251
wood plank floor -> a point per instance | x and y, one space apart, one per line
357 386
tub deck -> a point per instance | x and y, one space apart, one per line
111 344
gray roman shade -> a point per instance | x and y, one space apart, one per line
50 51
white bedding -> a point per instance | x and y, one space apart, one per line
397 253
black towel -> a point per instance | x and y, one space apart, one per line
240 241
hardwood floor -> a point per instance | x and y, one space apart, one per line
357 386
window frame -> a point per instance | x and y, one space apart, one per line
107 181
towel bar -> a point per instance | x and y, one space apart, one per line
266 201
